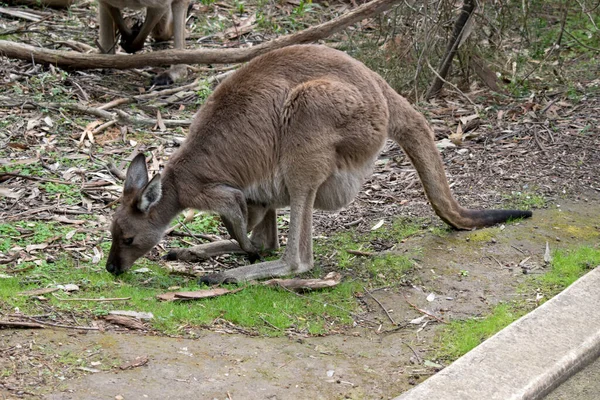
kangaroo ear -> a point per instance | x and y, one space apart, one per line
137 174
150 195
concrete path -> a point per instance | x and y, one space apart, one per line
584 385
529 358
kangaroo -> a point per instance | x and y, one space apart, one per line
164 19
301 127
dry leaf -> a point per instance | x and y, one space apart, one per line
377 225
457 137
6 192
128 322
33 247
547 255
160 122
245 26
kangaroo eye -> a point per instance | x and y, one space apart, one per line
128 241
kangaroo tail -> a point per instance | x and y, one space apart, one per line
411 131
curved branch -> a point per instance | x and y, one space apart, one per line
201 56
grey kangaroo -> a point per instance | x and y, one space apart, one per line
164 19
299 127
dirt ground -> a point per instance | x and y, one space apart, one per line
377 363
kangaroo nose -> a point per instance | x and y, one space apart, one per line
112 268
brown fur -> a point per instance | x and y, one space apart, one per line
300 126
164 19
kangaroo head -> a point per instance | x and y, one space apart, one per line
135 228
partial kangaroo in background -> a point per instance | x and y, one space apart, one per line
300 126
164 19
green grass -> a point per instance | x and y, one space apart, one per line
567 267
388 269
524 200
23 233
461 336
266 310
381 269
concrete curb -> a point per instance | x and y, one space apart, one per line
529 358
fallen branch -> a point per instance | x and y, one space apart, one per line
85 328
21 324
75 60
117 115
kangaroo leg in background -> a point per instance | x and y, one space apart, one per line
177 72
110 20
108 17
261 221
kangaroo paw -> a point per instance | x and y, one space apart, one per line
162 79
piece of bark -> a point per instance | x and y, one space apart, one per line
127 322
330 280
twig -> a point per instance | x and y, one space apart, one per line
516 248
495 259
35 178
118 115
451 84
423 311
580 43
380 305
360 253
103 127
419 359
210 238
268 323
98 300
